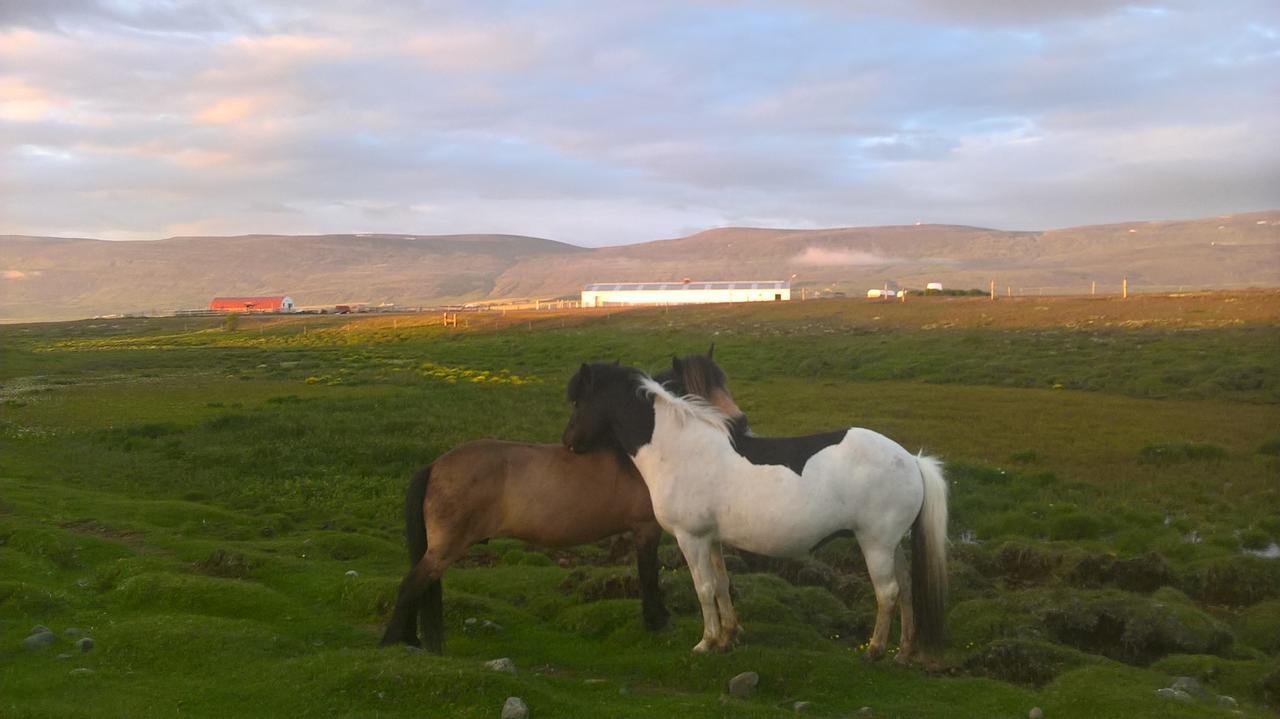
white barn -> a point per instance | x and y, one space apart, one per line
680 293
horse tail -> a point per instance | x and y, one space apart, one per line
415 519
929 557
414 602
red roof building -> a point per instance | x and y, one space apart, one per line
274 303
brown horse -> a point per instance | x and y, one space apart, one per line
540 493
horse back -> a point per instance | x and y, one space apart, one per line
542 493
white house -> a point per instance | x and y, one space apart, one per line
934 286
679 293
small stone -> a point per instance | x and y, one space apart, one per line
490 626
501 665
470 622
1035 713
743 685
352 574
410 649
1190 685
84 644
1226 701
72 631
39 641
81 672
1170 693
40 629
801 706
865 713
515 708
64 655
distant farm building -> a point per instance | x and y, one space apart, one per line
934 286
881 294
275 303
686 292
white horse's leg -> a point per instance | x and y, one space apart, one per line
697 552
729 626
906 644
884 579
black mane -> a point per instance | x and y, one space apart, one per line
630 412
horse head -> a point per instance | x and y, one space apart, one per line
608 409
699 375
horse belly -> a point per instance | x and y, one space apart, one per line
565 513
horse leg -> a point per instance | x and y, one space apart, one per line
646 537
431 616
697 552
906 642
880 565
421 592
729 627
402 627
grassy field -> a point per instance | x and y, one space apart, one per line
218 507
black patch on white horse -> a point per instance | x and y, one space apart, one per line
791 452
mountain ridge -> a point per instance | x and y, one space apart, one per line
49 278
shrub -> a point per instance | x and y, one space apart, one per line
1255 538
1024 661
1259 626
1007 524
1132 629
1025 457
1235 581
1075 526
1173 453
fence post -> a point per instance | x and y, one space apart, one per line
1124 289
993 289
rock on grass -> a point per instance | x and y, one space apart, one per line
503 664
39 640
515 708
743 685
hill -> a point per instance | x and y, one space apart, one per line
58 278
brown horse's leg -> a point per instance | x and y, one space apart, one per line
431 617
906 643
421 591
729 626
646 538
401 628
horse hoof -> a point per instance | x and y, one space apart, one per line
873 654
702 647
657 624
903 659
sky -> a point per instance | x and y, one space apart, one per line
609 123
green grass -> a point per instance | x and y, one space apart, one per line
194 499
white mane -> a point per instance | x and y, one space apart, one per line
687 407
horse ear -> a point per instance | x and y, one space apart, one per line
712 350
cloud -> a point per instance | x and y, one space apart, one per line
828 257
601 125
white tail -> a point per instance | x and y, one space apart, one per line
929 557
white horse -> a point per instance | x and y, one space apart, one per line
779 497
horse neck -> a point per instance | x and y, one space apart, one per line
683 440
